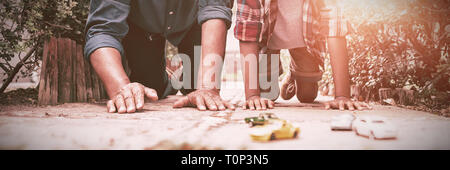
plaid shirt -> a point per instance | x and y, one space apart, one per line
321 19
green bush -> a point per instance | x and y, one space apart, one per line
403 47
28 23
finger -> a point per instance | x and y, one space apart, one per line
129 100
341 105
327 106
120 104
183 102
200 102
251 105
333 105
244 106
257 104
210 103
111 107
263 104
358 106
229 105
138 93
219 102
350 106
150 94
271 104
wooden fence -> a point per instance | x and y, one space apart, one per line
66 76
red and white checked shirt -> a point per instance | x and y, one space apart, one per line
321 19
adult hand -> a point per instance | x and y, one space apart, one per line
130 98
343 103
258 103
204 100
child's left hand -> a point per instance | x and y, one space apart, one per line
343 103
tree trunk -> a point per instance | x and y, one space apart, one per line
16 69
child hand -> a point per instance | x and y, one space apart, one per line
204 100
342 103
258 103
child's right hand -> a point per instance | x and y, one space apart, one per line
343 103
258 103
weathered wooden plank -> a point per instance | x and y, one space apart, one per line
95 85
65 65
80 75
88 84
43 95
53 73
102 89
385 93
73 58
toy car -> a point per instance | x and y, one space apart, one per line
374 128
262 119
276 129
342 122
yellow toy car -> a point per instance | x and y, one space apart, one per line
277 129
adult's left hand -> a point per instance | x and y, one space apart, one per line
204 100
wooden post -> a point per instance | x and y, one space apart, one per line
80 75
44 94
66 76
385 93
88 76
65 65
405 97
53 75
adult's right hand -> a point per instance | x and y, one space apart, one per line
130 98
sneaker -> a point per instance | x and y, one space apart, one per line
288 87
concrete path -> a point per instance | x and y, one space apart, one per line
88 126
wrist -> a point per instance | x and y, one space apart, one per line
341 97
209 89
252 94
342 91
113 88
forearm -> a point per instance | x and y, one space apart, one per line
107 63
339 64
213 49
249 58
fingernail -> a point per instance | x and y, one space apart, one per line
122 109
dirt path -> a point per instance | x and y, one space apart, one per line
88 126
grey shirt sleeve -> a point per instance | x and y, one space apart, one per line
215 9
106 25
